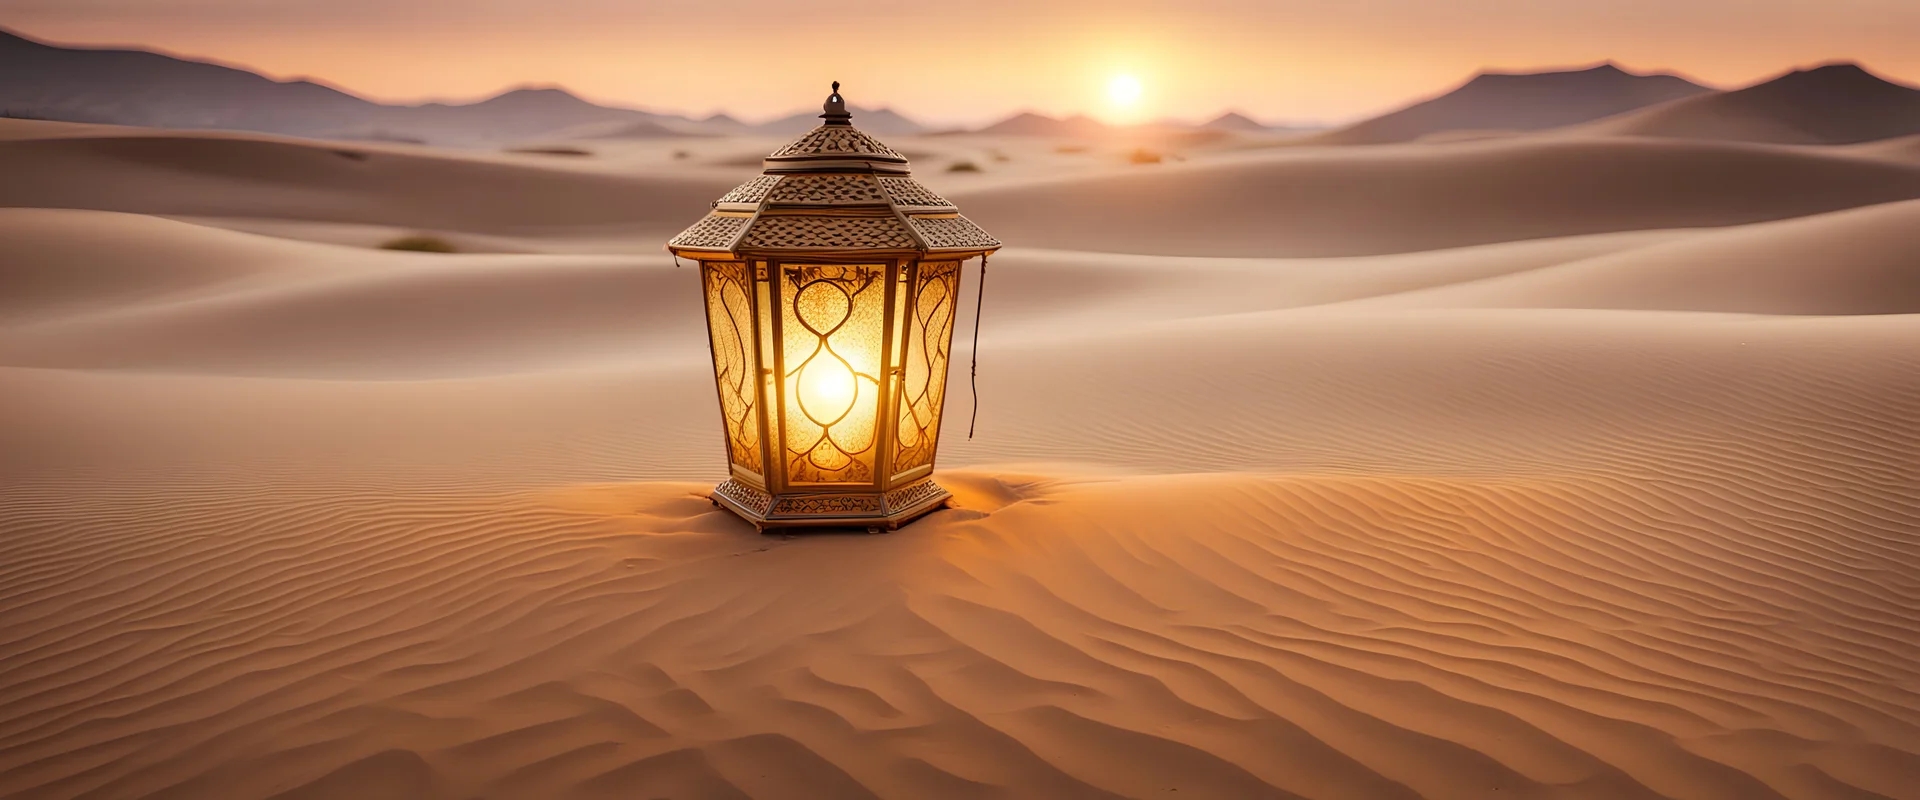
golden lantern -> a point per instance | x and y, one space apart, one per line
831 283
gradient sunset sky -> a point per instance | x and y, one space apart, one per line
954 62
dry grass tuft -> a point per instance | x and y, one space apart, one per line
551 150
420 243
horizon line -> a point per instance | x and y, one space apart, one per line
938 123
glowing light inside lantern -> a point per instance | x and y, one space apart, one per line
827 390
832 338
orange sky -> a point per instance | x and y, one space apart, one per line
1278 60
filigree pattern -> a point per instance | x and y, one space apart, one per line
748 497
951 232
735 369
827 189
714 231
910 496
805 231
831 331
752 191
819 366
923 364
829 504
909 192
837 140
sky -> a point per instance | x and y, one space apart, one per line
972 62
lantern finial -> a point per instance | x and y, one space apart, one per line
836 108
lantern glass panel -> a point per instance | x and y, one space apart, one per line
832 333
735 369
923 362
769 381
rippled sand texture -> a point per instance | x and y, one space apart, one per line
1223 635
1612 506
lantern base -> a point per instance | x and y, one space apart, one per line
817 509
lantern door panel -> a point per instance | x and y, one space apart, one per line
832 351
730 317
929 308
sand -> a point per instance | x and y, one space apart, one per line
1580 467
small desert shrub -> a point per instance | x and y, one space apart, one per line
555 150
1070 149
1142 155
682 155
963 166
378 135
420 243
1001 157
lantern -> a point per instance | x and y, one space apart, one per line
831 284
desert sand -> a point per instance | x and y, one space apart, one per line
1575 465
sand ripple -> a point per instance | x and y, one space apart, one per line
1225 635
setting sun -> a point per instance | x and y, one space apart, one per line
1124 90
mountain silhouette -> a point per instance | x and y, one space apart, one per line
1027 123
1519 102
138 87
1839 103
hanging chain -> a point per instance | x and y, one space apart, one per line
973 372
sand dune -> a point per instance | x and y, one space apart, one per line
1289 203
240 175
1865 261
108 290
60 262
380 314
1406 198
1905 148
398 315
1612 499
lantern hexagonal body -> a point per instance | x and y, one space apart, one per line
831 284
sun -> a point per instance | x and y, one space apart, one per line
1124 90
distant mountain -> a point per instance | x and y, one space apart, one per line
722 125
1165 131
1840 103
640 129
133 87
525 113
877 121
136 87
1520 102
1233 121
1028 123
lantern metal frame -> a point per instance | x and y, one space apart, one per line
835 197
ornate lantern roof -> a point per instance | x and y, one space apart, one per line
834 189
831 284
